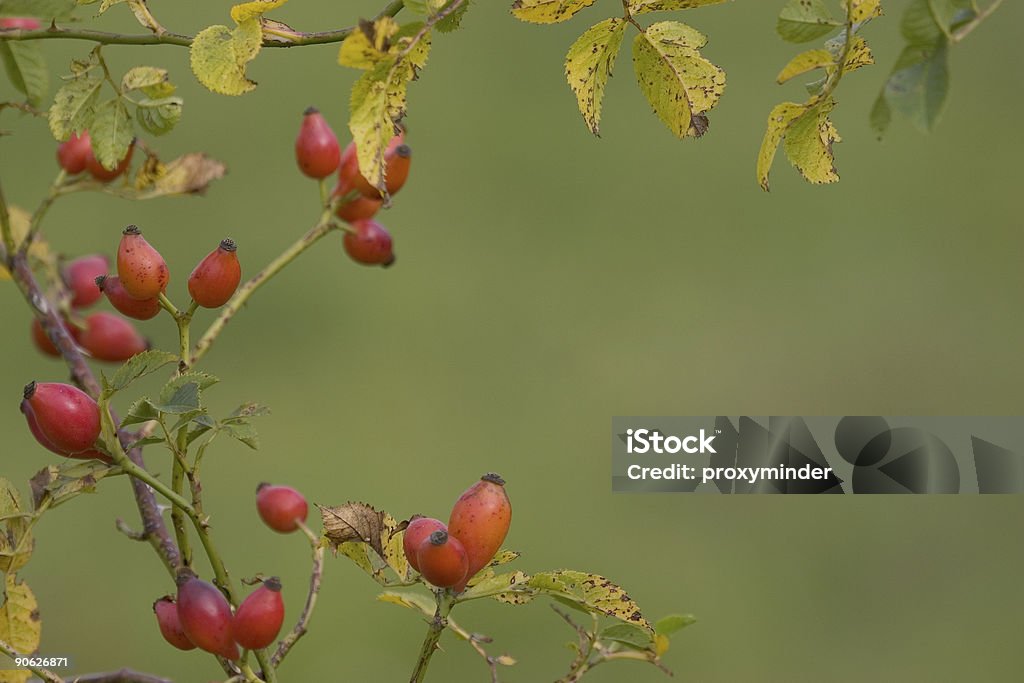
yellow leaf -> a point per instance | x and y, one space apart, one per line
547 11
678 82
858 56
809 143
16 537
369 44
19 618
589 64
20 220
661 644
863 10
781 117
645 6
216 63
804 62
254 10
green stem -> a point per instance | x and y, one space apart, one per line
966 29
5 229
323 226
434 631
168 38
178 486
268 671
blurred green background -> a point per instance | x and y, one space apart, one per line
546 281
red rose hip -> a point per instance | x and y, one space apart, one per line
42 340
125 303
369 244
397 161
205 616
24 23
258 619
357 209
216 277
80 276
418 530
103 174
281 507
63 418
111 338
73 154
443 560
316 147
480 519
170 625
142 269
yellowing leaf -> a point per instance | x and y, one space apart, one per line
16 542
588 65
547 11
111 132
804 62
217 64
188 174
140 77
864 10
809 141
359 523
413 601
644 6
20 626
377 104
661 644
592 592
254 10
74 105
678 82
369 44
779 120
858 56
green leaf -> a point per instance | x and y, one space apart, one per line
809 141
183 393
801 21
112 132
74 105
20 626
242 431
917 87
591 592
628 635
140 77
16 542
378 103
454 20
780 119
247 410
881 115
141 411
589 64
547 11
668 625
159 116
58 484
645 6
139 366
26 69
678 82
804 62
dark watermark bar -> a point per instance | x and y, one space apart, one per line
840 454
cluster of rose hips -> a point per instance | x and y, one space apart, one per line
65 419
142 276
319 155
449 556
200 616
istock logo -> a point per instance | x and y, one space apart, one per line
648 441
